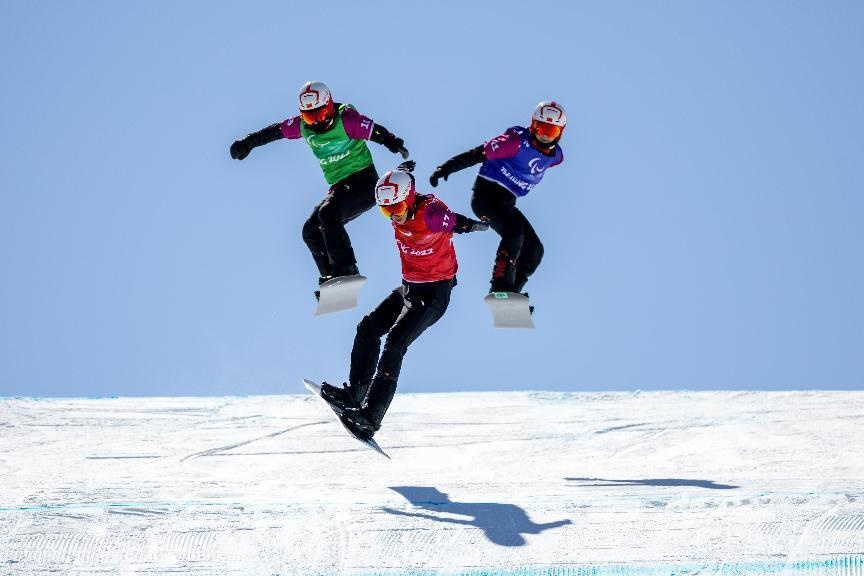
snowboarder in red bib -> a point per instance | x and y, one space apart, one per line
424 228
337 135
512 165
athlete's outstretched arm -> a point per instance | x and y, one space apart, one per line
380 135
458 162
241 148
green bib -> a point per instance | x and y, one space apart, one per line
339 155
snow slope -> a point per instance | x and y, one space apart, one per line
480 483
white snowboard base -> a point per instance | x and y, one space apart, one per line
339 294
509 309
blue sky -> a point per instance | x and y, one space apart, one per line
704 231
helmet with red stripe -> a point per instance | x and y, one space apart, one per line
548 122
394 193
316 104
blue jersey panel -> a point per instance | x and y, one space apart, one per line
522 172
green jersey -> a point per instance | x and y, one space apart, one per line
342 149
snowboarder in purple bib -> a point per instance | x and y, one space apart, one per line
512 165
337 135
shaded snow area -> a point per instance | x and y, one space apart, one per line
479 484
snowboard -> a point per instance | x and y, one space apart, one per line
369 443
509 309
339 294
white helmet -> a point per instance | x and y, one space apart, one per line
314 95
550 112
394 187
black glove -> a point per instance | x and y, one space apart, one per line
240 149
439 172
478 225
397 146
407 166
465 225
457 163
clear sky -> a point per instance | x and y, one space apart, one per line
704 232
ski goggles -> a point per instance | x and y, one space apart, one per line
550 131
399 209
321 114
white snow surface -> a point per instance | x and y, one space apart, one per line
517 483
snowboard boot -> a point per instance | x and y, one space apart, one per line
503 274
350 270
354 429
500 287
342 399
519 282
368 419
359 422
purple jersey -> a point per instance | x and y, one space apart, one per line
356 125
514 163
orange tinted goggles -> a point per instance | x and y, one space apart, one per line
316 115
397 209
548 130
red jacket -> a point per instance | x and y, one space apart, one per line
425 242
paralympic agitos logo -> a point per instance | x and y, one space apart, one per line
535 169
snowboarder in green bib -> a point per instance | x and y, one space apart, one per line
337 134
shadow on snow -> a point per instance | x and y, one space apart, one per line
503 524
653 482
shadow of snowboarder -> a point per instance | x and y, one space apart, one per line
653 482
503 524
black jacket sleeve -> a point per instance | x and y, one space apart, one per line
465 224
462 161
264 136
380 135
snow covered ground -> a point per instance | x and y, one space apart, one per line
479 483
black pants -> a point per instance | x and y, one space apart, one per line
403 316
520 250
324 231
